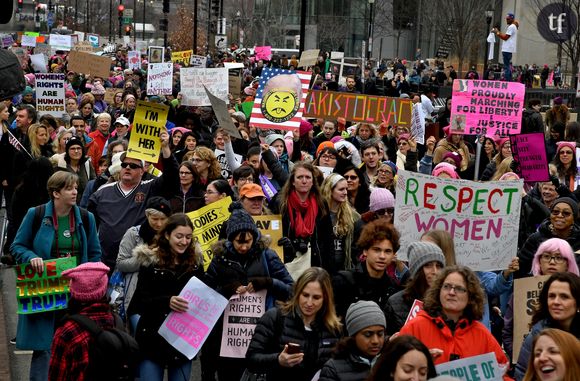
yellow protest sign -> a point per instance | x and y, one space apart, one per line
182 57
207 224
271 226
149 122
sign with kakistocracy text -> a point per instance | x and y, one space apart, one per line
482 367
482 218
47 291
148 123
526 300
193 81
529 150
160 78
182 58
87 63
240 318
487 107
50 94
271 226
207 223
187 331
358 108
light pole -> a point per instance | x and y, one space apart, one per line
370 45
238 17
488 18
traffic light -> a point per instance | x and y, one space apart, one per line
20 4
128 30
165 6
163 25
215 7
121 8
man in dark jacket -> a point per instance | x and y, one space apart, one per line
532 120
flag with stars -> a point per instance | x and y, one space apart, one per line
280 97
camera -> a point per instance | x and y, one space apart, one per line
300 245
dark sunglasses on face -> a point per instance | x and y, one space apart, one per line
351 177
130 165
384 211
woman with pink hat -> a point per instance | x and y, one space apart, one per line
452 142
407 153
565 162
504 148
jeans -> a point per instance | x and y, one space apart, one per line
151 371
507 65
39 365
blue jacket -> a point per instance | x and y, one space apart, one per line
493 285
526 350
35 331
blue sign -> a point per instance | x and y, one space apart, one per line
50 19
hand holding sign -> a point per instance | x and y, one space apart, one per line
221 112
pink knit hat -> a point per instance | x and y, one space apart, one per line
571 145
500 141
405 137
381 198
455 156
447 168
88 282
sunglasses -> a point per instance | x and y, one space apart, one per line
131 165
351 177
384 211
566 152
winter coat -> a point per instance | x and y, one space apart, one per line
347 365
276 329
444 146
191 201
35 331
532 122
397 310
86 173
407 162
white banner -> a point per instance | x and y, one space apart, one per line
193 80
482 367
160 78
60 42
50 94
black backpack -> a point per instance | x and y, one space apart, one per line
12 80
113 353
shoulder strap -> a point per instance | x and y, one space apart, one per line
86 323
85 220
279 324
38 215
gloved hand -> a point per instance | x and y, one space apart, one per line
555 181
260 282
286 243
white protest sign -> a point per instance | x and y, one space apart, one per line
60 42
418 123
50 94
160 78
482 218
133 60
38 62
187 331
28 40
221 158
240 318
197 61
81 35
326 171
233 65
482 367
194 79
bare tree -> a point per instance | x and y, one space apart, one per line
181 37
332 32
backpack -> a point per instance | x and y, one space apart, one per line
39 214
113 353
11 75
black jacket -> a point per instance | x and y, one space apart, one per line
397 310
346 365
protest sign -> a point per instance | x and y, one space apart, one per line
263 52
482 367
326 171
160 78
84 46
193 81
133 60
86 63
223 116
235 82
149 122
141 46
418 123
487 107
110 95
93 39
81 35
21 54
197 61
279 101
50 94
482 218
233 65
187 331
336 55
415 308
308 58
46 291
28 41
60 42
529 150
38 62
182 58
7 41
358 108
271 226
207 223
221 158
156 54
42 48
526 295
240 318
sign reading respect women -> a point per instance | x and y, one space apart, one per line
482 218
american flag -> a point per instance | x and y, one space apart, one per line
258 120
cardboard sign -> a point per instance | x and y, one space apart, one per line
223 116
110 95
235 82
60 42
482 218
182 58
207 223
529 150
43 292
271 226
487 107
263 52
418 123
308 58
187 331
198 61
28 41
482 367
96 66
240 319
160 78
358 108
193 81
280 99
84 46
526 295
415 308
149 122
50 94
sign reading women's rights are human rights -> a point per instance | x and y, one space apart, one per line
482 218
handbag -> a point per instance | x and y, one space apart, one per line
301 263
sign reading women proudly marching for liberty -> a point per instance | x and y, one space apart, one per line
482 218
487 107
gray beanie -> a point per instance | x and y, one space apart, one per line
421 253
363 314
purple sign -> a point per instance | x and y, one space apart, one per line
529 150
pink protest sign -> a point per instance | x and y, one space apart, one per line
187 331
529 150
487 107
263 52
415 308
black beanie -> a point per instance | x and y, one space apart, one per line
567 200
74 141
240 221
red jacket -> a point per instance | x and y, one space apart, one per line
469 339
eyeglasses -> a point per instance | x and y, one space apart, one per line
566 152
457 289
328 157
547 258
564 213
75 149
184 173
384 211
248 179
403 143
385 171
351 177
131 165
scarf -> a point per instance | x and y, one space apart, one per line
302 214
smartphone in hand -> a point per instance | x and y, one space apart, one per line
293 348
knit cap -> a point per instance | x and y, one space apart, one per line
240 221
272 138
404 136
456 157
392 165
447 168
500 141
562 144
381 198
74 141
567 200
88 282
363 314
323 145
98 90
159 204
305 127
421 253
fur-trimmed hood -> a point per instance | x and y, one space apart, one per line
145 255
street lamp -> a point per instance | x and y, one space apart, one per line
488 18
370 47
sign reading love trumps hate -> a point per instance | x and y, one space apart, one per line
482 218
487 107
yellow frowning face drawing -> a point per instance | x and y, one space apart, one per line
280 105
